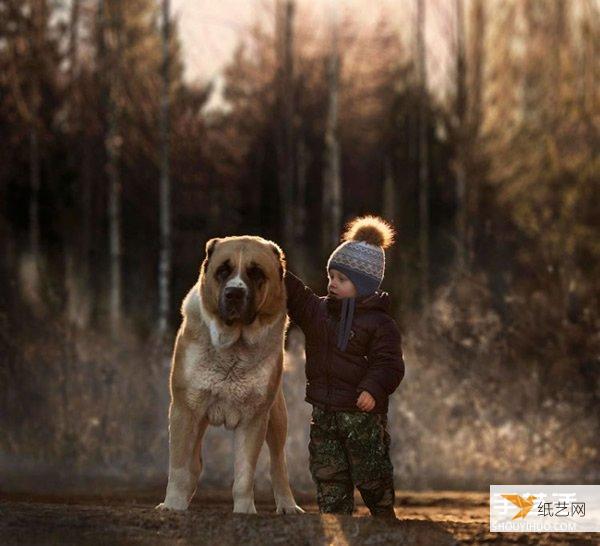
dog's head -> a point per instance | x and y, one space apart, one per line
242 278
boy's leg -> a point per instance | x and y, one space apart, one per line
329 466
367 444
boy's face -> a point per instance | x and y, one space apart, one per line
339 285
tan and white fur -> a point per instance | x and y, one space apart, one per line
227 370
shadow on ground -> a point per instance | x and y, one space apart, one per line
95 525
428 518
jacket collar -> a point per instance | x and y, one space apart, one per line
378 300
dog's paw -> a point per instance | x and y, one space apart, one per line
177 506
289 508
244 506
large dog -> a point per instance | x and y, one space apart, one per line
227 370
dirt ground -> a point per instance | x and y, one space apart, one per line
425 518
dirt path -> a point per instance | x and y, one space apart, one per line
428 519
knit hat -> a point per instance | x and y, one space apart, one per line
361 258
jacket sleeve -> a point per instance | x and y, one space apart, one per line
386 365
302 302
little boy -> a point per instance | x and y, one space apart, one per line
353 364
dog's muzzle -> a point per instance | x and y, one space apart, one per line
235 305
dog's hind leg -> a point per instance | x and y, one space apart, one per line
276 435
185 457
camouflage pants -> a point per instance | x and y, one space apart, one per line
348 449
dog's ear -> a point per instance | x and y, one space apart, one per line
210 248
280 256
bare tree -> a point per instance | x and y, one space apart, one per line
458 121
111 59
423 155
39 17
303 159
300 221
474 75
389 191
285 145
77 244
589 61
164 265
332 187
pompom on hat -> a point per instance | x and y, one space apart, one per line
361 255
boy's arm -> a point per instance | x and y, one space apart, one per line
302 302
386 365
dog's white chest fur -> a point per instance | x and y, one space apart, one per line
227 382
226 385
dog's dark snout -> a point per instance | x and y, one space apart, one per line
234 294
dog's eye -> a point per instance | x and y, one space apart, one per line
223 271
255 273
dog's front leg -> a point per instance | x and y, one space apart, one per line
185 460
249 437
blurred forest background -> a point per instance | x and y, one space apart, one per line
478 138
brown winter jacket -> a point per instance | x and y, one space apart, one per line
372 361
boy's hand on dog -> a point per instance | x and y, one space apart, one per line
365 401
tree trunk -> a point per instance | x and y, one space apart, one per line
39 18
390 213
589 65
423 157
332 187
34 273
74 42
300 254
164 266
112 145
462 212
76 266
114 219
389 192
285 146
474 115
303 159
